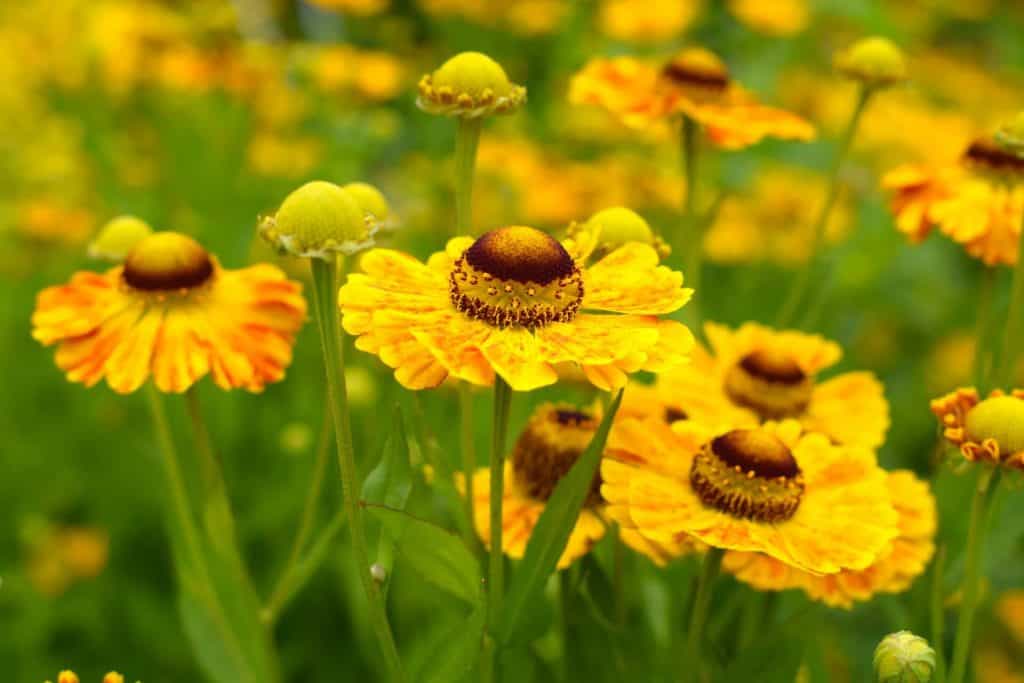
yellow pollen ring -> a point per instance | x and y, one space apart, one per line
167 261
749 474
769 382
1000 418
553 440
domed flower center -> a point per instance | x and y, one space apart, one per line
769 382
167 261
1000 418
516 276
697 72
984 154
547 449
750 474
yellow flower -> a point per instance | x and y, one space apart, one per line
49 221
515 303
798 498
363 8
469 85
172 311
893 572
777 18
876 62
71 677
990 430
554 438
647 21
755 373
1010 609
695 83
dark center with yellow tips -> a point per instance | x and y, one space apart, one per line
547 449
167 261
697 70
750 474
516 276
771 383
985 154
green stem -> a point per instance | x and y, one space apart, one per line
982 349
283 588
972 576
495 586
938 614
216 504
325 296
1014 321
690 241
467 136
565 613
468 460
802 284
699 612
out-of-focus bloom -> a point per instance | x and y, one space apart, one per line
118 237
990 430
525 17
554 438
515 303
469 85
647 21
1010 609
769 489
755 373
778 18
893 571
875 62
363 8
60 556
49 221
319 220
1010 136
71 677
609 229
271 154
902 657
171 311
774 221
694 83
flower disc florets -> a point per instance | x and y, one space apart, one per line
371 201
516 276
552 442
698 73
318 220
876 62
989 430
167 261
469 85
769 382
118 237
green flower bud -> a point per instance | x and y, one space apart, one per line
902 657
117 238
370 200
611 228
875 62
318 220
469 85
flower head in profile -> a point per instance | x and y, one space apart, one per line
989 430
553 440
469 85
875 62
321 220
609 229
755 373
694 83
515 303
171 311
647 21
117 237
894 571
772 489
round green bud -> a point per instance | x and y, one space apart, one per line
370 200
875 62
469 85
472 73
617 226
902 657
1000 418
318 220
118 237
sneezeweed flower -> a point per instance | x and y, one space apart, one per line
779 18
117 238
609 229
469 85
647 21
372 203
514 303
694 83
174 313
554 438
71 677
755 373
321 220
770 489
874 62
893 571
902 657
990 430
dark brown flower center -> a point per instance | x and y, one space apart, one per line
986 155
167 261
547 449
675 414
750 474
697 71
771 383
516 276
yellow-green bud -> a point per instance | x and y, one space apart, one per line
611 228
370 200
117 238
318 220
875 62
902 657
1011 136
470 84
1000 418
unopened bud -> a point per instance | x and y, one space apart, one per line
902 657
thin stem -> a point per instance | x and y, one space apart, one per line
619 578
565 612
699 613
468 459
1014 321
938 614
325 295
802 284
972 576
496 588
282 588
690 242
467 136
214 488
982 349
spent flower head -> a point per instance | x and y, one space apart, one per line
318 220
903 657
469 85
876 62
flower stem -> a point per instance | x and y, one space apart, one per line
216 504
691 232
982 350
468 460
969 589
699 612
938 614
1014 321
802 284
467 136
495 586
325 295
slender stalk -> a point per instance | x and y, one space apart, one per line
1014 321
468 459
938 614
325 295
982 349
690 242
282 588
467 136
802 284
699 612
972 576
619 578
214 488
565 598
495 586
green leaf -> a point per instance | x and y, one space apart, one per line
775 658
390 481
556 523
461 650
436 554
219 657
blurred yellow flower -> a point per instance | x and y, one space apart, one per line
49 221
1010 609
270 154
59 556
776 18
71 677
647 21
363 8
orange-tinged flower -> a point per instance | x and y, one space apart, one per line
893 572
71 677
990 430
647 21
515 303
795 497
694 83
173 312
778 18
